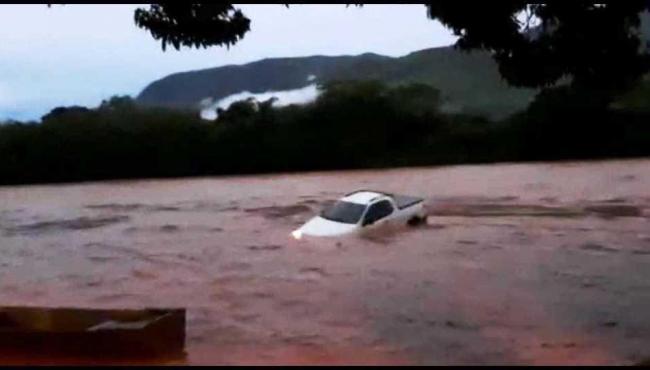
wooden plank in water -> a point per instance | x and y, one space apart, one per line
92 333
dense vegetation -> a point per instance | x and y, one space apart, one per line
583 57
351 125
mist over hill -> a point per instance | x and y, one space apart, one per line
469 81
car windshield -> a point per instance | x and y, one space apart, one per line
345 212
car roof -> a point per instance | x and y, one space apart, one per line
362 196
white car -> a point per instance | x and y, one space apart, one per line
362 210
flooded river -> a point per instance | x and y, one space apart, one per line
517 264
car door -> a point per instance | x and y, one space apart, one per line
377 214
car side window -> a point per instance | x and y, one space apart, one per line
378 211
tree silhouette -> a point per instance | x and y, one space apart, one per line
596 45
535 45
193 25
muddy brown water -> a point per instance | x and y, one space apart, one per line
517 264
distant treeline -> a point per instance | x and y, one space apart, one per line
363 124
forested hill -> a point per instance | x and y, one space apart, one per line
469 82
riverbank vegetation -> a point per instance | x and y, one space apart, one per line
362 124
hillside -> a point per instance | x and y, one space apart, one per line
470 82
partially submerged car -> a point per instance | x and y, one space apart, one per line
363 210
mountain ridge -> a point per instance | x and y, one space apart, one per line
469 81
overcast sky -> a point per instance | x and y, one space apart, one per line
81 54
